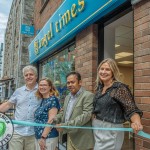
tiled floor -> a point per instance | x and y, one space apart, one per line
128 142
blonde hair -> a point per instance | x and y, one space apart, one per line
53 90
114 68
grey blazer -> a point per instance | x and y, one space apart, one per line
82 139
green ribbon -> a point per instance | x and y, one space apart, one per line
25 123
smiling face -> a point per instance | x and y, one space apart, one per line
44 88
73 84
105 73
30 78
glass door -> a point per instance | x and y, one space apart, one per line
118 44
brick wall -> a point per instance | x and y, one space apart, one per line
86 56
142 67
40 18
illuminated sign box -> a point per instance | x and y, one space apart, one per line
69 19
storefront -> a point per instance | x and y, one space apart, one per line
78 34
70 39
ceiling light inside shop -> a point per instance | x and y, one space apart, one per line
123 54
117 45
125 62
117 57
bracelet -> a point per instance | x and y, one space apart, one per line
43 137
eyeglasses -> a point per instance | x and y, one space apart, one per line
43 85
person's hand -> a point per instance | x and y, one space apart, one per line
59 129
42 144
136 126
54 121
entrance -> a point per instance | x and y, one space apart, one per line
118 44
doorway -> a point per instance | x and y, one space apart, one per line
118 44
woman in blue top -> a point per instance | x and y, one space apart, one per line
46 137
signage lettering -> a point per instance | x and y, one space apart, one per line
59 25
69 19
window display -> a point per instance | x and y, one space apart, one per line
57 67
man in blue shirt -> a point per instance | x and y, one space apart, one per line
26 103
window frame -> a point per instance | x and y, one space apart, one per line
43 5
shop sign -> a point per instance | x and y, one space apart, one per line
26 29
70 18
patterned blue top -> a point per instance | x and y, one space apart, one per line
41 116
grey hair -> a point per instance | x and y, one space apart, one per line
30 67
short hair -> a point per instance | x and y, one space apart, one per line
114 68
77 74
29 67
53 90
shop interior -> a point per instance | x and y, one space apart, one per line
118 44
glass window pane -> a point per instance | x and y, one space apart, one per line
118 37
118 44
57 67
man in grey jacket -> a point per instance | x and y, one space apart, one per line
77 111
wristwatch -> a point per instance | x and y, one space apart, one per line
42 137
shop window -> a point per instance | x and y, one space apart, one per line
44 1
57 67
118 44
43 5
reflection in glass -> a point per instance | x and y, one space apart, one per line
56 68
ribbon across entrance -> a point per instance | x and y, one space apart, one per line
25 123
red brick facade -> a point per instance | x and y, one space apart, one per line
86 56
142 66
41 17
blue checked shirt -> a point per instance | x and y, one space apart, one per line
26 104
